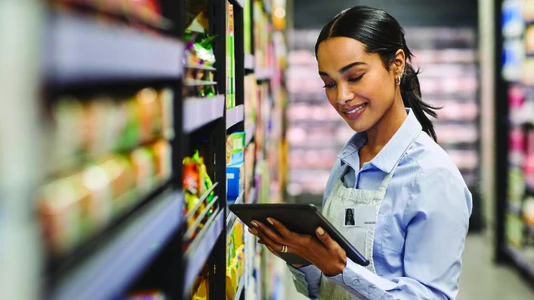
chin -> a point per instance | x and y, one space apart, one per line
357 126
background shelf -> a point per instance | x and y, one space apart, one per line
234 115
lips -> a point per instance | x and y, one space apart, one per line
355 111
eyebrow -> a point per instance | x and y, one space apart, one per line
345 68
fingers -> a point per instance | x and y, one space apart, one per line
265 240
325 238
265 232
279 227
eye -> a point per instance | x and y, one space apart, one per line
355 79
329 85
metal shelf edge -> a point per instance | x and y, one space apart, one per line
521 261
234 115
196 259
110 271
80 50
237 2
263 74
240 288
199 112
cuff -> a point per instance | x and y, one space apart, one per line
357 278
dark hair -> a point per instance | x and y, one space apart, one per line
382 34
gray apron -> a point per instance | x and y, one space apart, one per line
354 214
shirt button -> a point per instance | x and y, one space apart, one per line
371 289
356 282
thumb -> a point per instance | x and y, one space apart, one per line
325 238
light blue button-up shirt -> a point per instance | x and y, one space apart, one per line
418 247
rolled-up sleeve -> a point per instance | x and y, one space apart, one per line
307 280
437 218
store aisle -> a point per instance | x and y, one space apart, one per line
481 279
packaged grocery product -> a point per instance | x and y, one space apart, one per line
130 136
60 212
97 208
191 184
163 159
147 295
122 179
235 146
143 161
67 118
202 291
166 99
149 116
234 180
99 127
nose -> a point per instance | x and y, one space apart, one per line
344 94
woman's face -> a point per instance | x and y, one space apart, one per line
356 82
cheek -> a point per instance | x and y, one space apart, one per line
378 91
331 96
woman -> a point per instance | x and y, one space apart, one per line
411 206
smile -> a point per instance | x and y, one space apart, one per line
354 112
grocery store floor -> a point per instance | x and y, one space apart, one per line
481 279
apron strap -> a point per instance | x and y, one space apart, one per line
387 180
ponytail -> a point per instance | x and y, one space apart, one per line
411 96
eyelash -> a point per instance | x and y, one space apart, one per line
351 80
356 79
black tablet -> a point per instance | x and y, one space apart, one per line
299 218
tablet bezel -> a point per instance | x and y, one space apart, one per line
307 219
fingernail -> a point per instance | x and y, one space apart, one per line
270 221
254 223
320 231
253 231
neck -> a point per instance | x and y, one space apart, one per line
380 134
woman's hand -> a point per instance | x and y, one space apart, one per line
323 251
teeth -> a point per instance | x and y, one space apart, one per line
356 109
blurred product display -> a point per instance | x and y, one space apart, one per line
516 234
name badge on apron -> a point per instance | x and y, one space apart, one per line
360 216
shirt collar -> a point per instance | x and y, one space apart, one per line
387 158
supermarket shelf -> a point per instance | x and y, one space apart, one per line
201 248
249 62
521 261
264 74
110 271
232 218
249 134
237 2
202 111
234 116
81 50
200 67
240 288
194 82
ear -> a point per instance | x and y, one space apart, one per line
398 64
